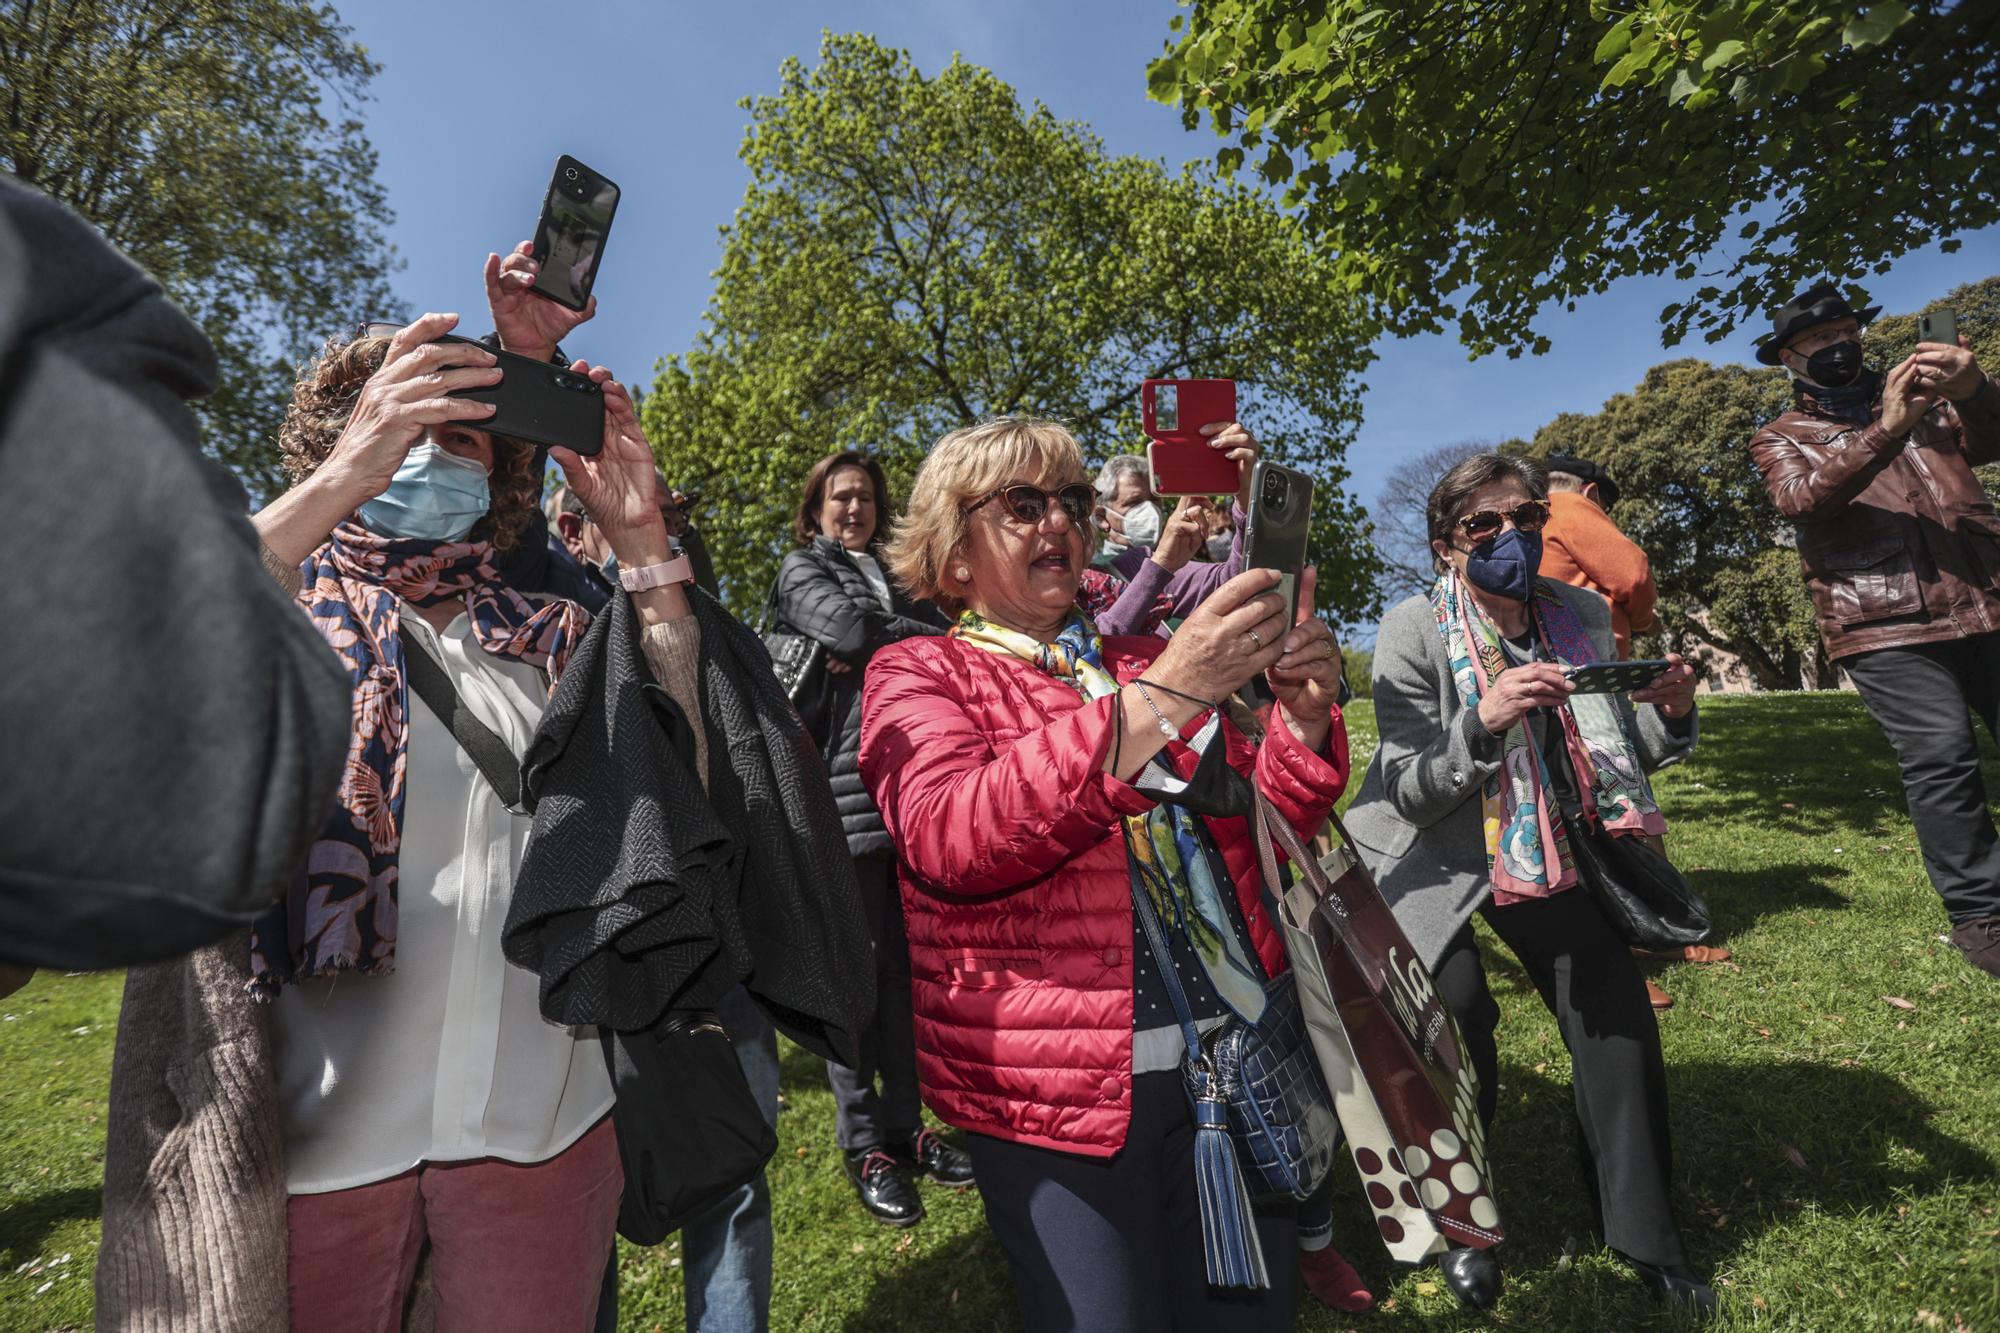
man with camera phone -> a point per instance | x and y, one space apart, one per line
1900 548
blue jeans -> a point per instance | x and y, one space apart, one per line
727 1250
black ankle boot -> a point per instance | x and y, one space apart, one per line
886 1190
926 1154
1473 1276
1676 1285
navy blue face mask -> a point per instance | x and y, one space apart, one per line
1506 565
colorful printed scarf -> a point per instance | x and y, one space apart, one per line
1527 848
341 911
1167 847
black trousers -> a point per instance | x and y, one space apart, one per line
1114 1245
1587 978
1923 697
866 1118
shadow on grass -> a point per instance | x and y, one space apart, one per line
1865 1140
1739 899
25 1224
962 1287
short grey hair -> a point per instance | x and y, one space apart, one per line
1117 466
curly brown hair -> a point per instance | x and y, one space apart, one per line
324 399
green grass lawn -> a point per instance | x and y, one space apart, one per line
1836 1153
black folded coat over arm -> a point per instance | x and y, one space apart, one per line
640 893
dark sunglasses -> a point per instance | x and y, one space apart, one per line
1030 503
1528 516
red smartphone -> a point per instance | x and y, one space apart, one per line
1172 412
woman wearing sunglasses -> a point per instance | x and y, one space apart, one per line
1013 763
1457 814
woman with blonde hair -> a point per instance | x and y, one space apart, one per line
1030 773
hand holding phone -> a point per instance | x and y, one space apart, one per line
528 322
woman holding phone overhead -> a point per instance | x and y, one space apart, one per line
1459 813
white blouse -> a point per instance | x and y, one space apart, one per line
448 1058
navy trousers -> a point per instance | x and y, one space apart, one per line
1114 1246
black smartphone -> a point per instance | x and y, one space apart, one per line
569 240
1616 677
1278 525
1940 326
534 401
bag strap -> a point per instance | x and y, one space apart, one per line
489 754
1163 963
1269 830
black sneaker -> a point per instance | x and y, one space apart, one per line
889 1195
930 1156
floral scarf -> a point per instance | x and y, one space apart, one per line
1527 848
341 911
1167 847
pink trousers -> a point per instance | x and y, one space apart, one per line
513 1247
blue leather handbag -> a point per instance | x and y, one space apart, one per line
1264 1118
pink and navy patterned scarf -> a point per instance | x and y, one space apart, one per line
1527 846
340 914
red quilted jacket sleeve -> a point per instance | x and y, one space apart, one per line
967 820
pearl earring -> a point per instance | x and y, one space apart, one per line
962 574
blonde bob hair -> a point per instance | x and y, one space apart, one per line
964 468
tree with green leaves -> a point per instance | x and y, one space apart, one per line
1723 557
1483 161
915 253
216 143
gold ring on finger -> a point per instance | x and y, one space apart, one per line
1258 638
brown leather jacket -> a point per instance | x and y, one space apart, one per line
1897 539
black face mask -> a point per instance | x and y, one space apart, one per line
1836 366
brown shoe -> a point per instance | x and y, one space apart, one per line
1979 941
1691 953
1659 998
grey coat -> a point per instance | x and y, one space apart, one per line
1417 815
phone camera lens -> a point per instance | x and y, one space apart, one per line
569 173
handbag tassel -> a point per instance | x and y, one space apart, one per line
1228 1231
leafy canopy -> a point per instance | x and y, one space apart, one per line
216 143
917 253
1480 161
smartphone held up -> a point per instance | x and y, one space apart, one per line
535 401
1279 526
1172 413
569 239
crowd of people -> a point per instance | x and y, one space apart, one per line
523 808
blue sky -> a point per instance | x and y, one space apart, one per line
475 102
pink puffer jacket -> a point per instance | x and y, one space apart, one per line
1015 885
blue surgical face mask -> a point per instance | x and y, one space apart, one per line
1506 565
435 496
610 566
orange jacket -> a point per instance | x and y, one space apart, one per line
1582 547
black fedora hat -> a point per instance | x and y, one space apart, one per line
1585 470
1818 304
